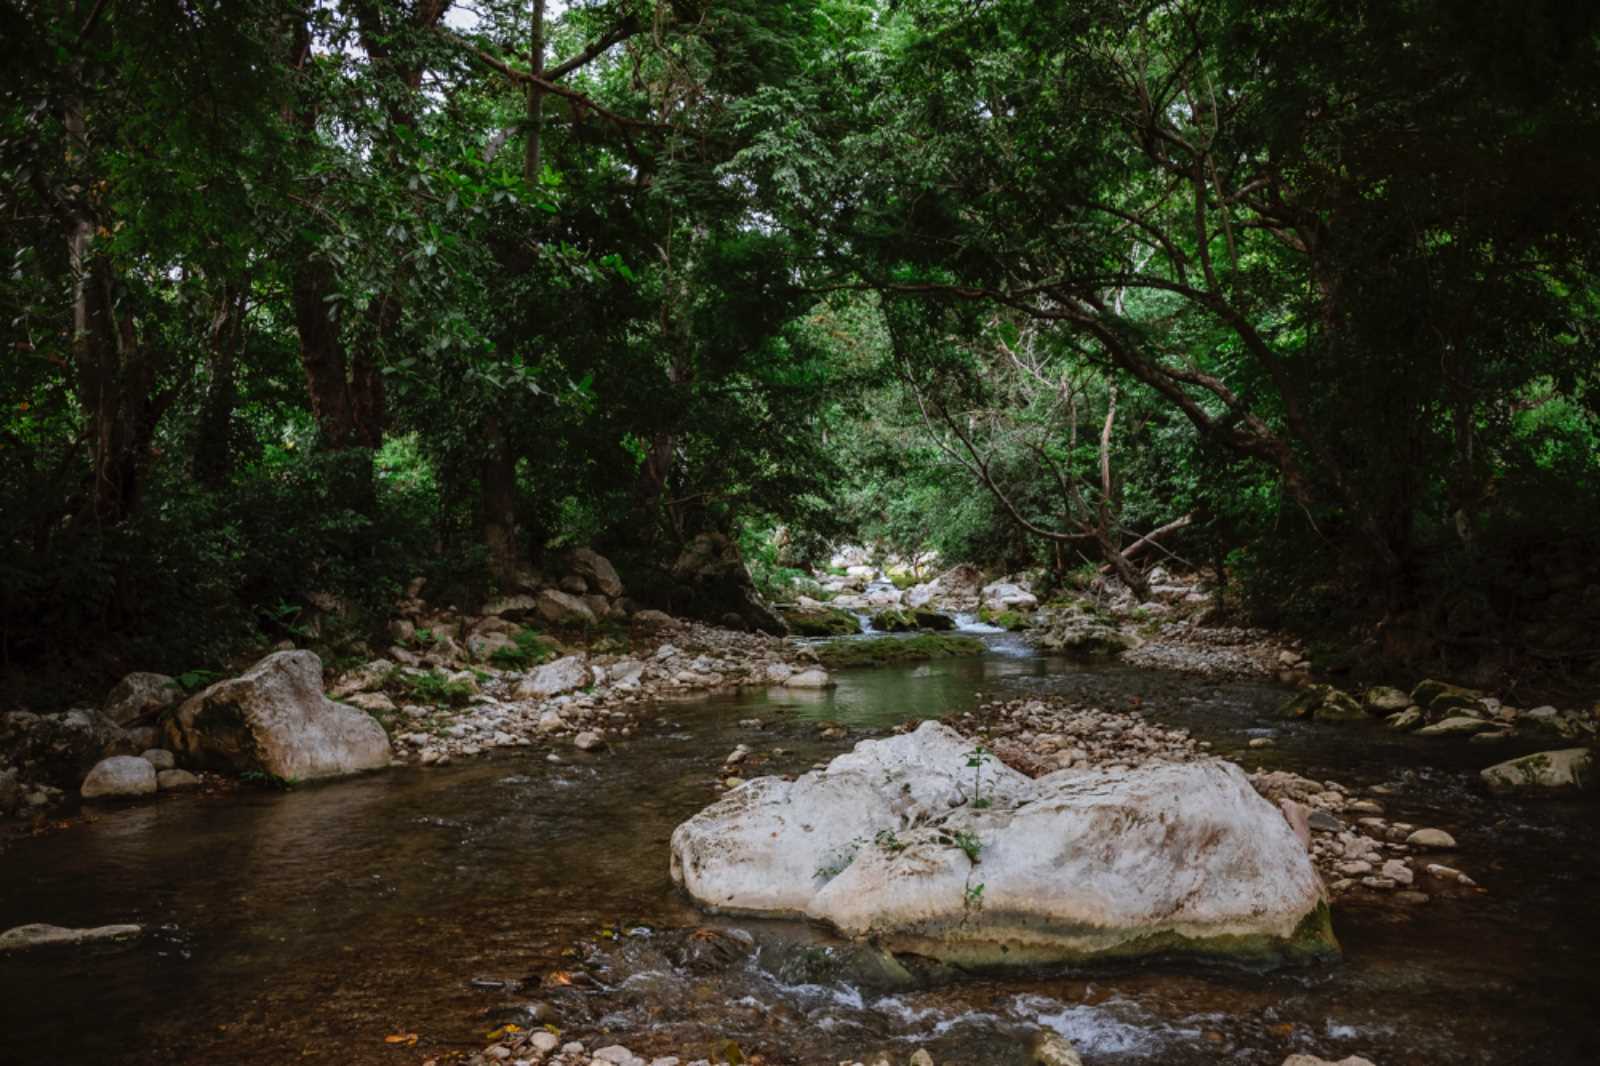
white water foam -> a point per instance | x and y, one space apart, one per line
1115 1027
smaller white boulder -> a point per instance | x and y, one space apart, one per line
176 781
119 777
160 758
816 677
552 679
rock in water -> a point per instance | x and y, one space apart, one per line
1053 1049
176 781
1071 867
24 937
274 719
1381 701
1549 772
812 678
1312 1060
1337 706
119 777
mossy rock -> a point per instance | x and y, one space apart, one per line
1339 706
933 620
1407 720
824 622
882 650
1010 621
894 621
1305 702
1381 701
1543 773
1438 698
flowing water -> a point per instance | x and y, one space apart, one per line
308 926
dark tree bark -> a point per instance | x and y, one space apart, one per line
213 453
498 493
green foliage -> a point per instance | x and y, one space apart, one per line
969 844
886 840
195 680
530 650
436 688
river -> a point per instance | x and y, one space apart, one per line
308 926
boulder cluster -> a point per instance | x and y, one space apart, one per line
1439 710
1355 847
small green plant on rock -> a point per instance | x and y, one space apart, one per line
975 759
888 841
839 862
265 780
195 680
969 844
972 898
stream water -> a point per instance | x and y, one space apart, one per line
307 926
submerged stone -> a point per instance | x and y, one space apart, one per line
26 937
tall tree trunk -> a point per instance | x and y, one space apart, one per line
321 354
498 495
532 159
497 481
652 480
213 453
1105 532
115 374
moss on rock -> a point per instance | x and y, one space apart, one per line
821 622
882 650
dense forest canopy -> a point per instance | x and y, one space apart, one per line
305 297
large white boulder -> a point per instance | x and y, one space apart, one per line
274 719
903 842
